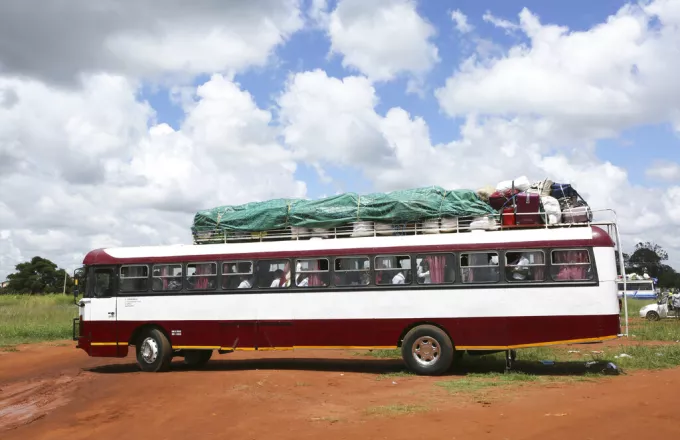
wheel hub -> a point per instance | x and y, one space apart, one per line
149 350
425 350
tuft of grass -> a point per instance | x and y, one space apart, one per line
645 357
393 410
665 330
478 382
326 419
382 354
35 318
9 349
395 375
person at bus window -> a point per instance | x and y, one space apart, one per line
399 278
520 268
302 280
245 283
424 272
276 282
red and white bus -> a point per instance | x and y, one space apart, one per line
434 296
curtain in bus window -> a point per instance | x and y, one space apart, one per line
165 271
572 265
315 277
201 282
437 265
284 281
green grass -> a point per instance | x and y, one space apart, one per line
395 375
394 410
35 318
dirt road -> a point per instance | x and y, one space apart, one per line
57 392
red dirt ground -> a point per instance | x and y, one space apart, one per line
49 391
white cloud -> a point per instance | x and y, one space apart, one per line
382 38
137 37
331 120
668 171
90 172
576 78
501 23
461 22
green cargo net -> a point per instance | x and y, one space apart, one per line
396 207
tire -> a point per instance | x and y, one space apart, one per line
197 358
652 316
154 352
427 350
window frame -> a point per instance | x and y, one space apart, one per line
369 271
121 278
545 265
225 276
153 265
328 271
454 268
499 266
589 263
376 269
185 280
290 269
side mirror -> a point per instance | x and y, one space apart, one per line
77 276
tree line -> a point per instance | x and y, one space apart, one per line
41 276
38 276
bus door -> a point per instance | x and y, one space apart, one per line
99 326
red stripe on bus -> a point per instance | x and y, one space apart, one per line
465 332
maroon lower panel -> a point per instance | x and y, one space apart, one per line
465 332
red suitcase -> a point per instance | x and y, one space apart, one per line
500 198
528 209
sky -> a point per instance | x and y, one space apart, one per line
120 119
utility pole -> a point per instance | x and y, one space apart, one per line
65 275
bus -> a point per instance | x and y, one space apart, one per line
638 289
433 296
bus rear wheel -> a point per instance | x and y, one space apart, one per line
197 358
154 352
427 350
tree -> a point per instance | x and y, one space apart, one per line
649 257
38 276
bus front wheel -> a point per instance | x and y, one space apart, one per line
154 352
427 350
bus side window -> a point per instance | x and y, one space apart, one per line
237 275
312 272
392 270
351 271
134 278
166 277
524 266
273 273
201 276
571 265
435 269
479 267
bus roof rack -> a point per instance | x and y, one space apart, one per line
445 225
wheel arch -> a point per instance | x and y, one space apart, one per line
137 332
